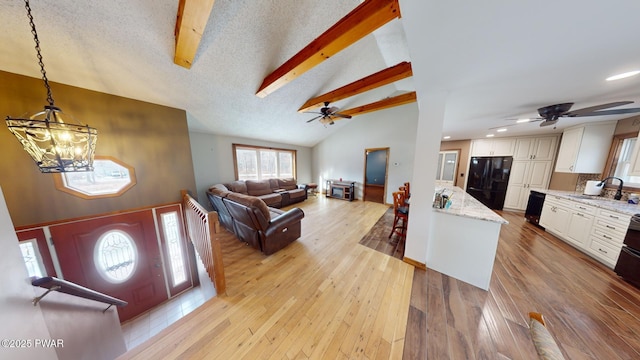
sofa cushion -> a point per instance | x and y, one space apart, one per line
251 201
274 184
288 184
219 189
273 199
257 188
237 186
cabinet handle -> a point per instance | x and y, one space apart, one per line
614 217
571 167
534 157
582 208
611 227
603 251
579 214
607 237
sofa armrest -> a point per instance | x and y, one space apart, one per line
284 220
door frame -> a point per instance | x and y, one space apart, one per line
386 173
456 167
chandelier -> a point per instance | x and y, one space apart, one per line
54 144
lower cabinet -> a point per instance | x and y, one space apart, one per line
597 232
554 216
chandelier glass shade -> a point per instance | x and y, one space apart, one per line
55 145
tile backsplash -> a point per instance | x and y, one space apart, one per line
606 193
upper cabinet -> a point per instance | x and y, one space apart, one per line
584 148
493 147
535 148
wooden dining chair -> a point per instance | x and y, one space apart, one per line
407 190
400 215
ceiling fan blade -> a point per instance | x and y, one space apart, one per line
317 117
586 111
609 112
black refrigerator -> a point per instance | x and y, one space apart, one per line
488 179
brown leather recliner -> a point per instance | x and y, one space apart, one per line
264 228
215 194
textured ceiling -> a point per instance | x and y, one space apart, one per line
126 48
497 60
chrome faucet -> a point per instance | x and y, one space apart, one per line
618 195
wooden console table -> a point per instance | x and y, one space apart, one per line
344 190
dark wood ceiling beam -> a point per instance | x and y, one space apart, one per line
381 78
360 22
191 21
382 104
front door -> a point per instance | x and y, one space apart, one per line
375 174
116 255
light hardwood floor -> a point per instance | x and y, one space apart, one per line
325 296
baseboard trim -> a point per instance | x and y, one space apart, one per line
415 263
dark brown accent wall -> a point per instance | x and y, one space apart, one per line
154 139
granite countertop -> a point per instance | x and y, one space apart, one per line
597 201
465 205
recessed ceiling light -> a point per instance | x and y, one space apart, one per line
501 130
447 137
624 75
490 135
523 121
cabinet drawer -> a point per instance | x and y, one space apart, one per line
605 250
615 217
611 227
615 239
580 207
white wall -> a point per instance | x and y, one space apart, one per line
19 319
213 160
343 154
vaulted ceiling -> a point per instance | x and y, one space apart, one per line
496 60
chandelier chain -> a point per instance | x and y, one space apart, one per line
35 38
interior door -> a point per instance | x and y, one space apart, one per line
375 177
116 255
447 168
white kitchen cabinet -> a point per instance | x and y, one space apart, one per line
555 217
595 231
579 228
535 148
607 236
525 175
493 147
584 149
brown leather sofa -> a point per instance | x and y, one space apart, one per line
275 193
253 222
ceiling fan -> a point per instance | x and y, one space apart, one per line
328 114
550 115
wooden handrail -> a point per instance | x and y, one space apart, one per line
54 284
203 228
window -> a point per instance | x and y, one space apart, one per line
31 257
110 177
257 163
115 256
619 160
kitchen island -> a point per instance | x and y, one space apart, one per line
464 239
